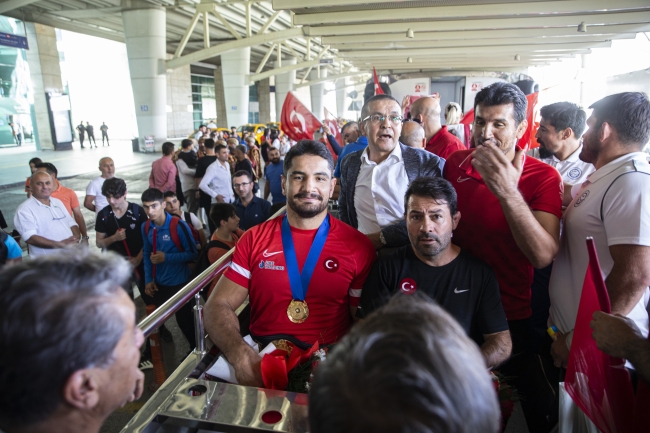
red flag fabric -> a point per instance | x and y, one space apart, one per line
598 383
333 125
378 89
297 121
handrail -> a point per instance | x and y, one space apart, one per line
173 304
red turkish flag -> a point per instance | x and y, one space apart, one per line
598 383
378 89
297 121
332 124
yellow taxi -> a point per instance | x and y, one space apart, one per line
257 129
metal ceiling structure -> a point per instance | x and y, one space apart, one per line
439 37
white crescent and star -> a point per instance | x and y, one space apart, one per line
330 262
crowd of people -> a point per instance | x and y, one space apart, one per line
494 234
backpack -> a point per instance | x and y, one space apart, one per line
4 251
173 229
203 262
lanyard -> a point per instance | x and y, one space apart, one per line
299 281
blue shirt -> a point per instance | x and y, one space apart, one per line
13 249
360 144
175 269
273 174
257 211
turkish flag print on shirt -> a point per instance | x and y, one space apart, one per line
297 121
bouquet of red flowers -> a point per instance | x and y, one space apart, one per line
507 396
291 368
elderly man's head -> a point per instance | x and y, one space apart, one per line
409 367
41 185
413 135
69 344
381 122
426 111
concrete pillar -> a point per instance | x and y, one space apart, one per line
220 97
45 71
317 92
144 34
341 95
284 83
235 67
264 98
180 119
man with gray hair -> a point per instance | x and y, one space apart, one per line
43 221
69 344
413 135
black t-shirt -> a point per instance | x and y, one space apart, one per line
244 165
201 166
131 221
466 288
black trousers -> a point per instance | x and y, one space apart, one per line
104 137
93 138
81 140
184 316
534 376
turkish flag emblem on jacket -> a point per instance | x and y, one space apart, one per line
297 121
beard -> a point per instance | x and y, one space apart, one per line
307 211
431 250
543 151
275 160
590 150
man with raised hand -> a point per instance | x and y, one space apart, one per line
302 272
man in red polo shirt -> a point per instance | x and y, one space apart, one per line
303 272
426 112
511 207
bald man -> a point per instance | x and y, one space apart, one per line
95 200
426 112
413 135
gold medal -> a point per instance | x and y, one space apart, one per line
298 311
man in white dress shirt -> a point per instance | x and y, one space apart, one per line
43 221
95 200
217 182
559 137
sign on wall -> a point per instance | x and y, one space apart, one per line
14 41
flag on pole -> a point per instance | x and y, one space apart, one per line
297 121
378 89
598 383
332 124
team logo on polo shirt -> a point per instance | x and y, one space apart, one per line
408 286
582 198
132 226
331 264
574 173
268 264
166 237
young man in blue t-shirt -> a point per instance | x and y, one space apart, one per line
273 173
167 257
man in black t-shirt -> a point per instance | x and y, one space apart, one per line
118 228
205 201
463 285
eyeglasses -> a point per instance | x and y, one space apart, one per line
239 185
378 118
54 217
416 120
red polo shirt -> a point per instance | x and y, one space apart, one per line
444 143
259 265
484 231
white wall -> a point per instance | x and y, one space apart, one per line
411 86
473 85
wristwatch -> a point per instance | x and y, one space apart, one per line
85 237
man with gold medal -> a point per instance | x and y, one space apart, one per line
303 271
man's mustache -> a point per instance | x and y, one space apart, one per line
309 195
429 236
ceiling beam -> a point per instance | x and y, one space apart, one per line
485 72
332 78
379 46
468 11
485 51
282 70
544 32
493 23
9 5
299 4
216 50
87 13
73 26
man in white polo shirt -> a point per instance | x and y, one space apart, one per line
613 207
43 221
217 182
559 133
95 200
